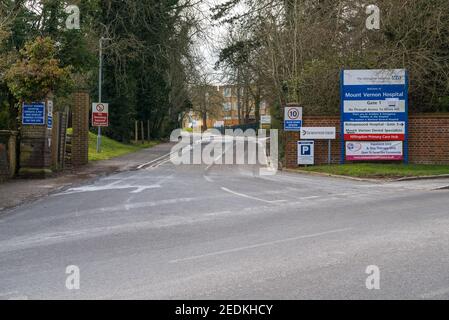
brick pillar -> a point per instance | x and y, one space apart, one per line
12 153
35 148
291 149
80 124
8 154
291 139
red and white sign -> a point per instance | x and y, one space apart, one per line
367 151
100 114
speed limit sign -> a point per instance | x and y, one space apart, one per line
293 119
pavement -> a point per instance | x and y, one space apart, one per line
168 231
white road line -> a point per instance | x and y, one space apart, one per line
255 246
153 161
216 214
309 198
208 179
108 187
250 197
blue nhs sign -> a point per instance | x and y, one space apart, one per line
33 113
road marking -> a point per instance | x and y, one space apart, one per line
153 161
216 214
208 179
309 198
112 186
251 197
260 245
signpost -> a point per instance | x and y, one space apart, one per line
100 114
100 79
33 114
293 119
306 152
374 108
318 133
321 133
265 122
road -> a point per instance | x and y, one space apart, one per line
224 232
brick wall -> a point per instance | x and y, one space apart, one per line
321 147
80 124
428 140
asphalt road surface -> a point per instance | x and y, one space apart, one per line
225 232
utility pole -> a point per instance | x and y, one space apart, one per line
239 107
100 79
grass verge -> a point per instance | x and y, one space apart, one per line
370 170
112 149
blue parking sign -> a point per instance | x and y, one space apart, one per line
306 152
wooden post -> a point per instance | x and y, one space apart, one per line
143 132
136 134
148 127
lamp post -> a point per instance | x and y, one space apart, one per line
100 79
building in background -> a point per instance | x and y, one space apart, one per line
228 115
233 100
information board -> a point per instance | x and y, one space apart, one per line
33 113
374 108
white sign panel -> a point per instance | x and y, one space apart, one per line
365 151
319 133
306 152
265 119
374 77
293 119
372 128
50 107
374 106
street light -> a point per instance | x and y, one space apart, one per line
100 78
